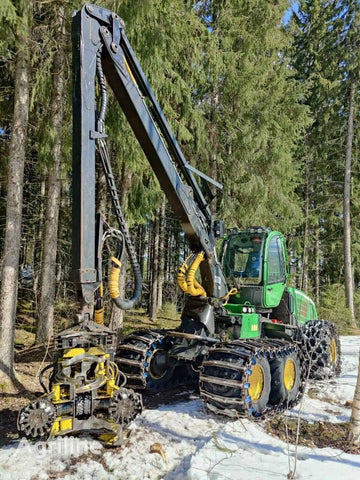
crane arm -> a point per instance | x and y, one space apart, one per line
99 33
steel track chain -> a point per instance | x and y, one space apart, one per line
134 355
238 356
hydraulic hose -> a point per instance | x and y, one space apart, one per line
194 288
186 275
99 306
123 304
182 272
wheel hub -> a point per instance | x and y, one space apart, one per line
37 418
158 363
256 380
289 374
125 405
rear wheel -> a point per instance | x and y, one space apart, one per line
235 380
322 344
259 385
285 379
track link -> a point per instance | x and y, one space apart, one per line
142 357
134 355
225 376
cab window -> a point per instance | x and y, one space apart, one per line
276 263
243 259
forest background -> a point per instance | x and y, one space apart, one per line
262 98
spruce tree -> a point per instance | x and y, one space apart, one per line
325 58
254 111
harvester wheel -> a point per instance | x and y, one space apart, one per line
159 371
285 379
259 385
143 358
322 344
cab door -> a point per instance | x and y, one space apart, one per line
275 271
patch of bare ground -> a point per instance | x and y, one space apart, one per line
313 435
26 388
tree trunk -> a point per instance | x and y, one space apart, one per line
161 255
305 255
45 326
117 315
317 265
153 307
354 430
17 151
349 283
38 240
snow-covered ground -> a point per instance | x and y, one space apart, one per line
191 445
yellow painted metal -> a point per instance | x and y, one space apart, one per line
289 374
100 370
256 380
97 351
55 428
66 424
61 425
129 70
333 351
56 391
73 352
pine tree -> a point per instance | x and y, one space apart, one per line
17 152
45 325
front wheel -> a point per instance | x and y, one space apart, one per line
144 360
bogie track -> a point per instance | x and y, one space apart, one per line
143 358
252 377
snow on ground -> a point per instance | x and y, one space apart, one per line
196 446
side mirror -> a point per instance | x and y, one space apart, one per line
219 228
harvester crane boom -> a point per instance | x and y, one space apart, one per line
99 33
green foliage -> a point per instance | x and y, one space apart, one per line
156 31
326 58
254 110
8 21
169 311
333 307
258 106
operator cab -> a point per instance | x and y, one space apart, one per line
243 257
254 262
